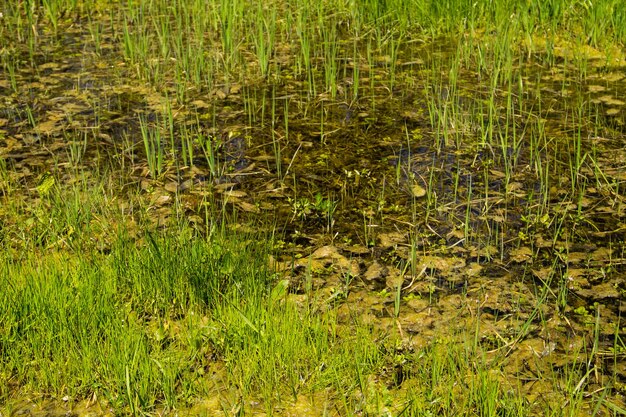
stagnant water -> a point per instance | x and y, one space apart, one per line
450 189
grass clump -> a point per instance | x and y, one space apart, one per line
120 325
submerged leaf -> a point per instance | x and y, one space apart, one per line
418 191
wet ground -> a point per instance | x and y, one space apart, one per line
515 217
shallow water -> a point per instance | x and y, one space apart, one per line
467 196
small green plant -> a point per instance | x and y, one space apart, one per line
320 208
153 146
397 300
209 146
77 142
300 207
